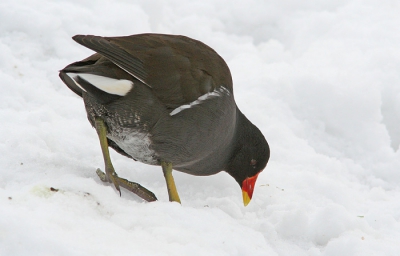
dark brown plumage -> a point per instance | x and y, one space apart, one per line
171 100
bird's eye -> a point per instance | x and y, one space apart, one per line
253 163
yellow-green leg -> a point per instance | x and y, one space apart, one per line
172 192
110 175
110 172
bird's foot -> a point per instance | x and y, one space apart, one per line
111 176
134 187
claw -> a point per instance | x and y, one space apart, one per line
112 178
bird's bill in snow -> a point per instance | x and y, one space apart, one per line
248 188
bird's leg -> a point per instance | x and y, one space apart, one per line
172 192
110 175
110 172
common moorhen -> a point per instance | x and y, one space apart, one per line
166 100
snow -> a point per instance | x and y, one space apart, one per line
319 78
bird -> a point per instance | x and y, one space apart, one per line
166 100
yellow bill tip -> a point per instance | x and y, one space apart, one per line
246 198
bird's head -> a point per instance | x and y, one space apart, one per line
248 161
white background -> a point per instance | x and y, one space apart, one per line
319 78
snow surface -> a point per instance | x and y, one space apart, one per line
319 78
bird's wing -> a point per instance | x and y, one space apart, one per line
178 69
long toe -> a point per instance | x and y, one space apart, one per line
134 187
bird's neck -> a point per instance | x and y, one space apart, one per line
244 129
242 135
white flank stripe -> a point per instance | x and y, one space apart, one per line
216 93
109 85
